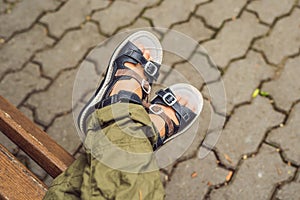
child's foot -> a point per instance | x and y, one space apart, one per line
132 85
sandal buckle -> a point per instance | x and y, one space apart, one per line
169 99
150 69
146 86
156 109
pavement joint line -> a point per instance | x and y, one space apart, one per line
137 17
279 186
31 58
257 16
34 23
45 25
191 14
252 42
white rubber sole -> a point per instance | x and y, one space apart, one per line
145 38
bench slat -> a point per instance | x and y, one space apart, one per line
16 181
32 140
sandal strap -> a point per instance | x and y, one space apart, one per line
145 85
122 96
151 68
184 115
169 124
166 97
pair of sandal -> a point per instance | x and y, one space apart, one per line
128 52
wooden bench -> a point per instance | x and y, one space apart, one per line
16 181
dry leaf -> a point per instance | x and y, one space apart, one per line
227 158
228 177
194 174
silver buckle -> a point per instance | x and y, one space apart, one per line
166 99
156 109
150 68
144 84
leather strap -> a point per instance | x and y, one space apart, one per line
122 96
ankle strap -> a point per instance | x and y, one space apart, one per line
122 96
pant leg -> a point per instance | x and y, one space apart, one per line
119 163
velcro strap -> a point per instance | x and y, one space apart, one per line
122 96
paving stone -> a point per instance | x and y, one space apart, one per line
48 180
215 92
31 9
284 39
19 49
3 7
274 9
198 71
87 80
111 18
193 177
290 191
63 131
57 99
16 86
27 112
8 144
285 89
234 39
209 121
72 14
31 164
288 137
218 11
195 29
69 50
140 23
243 77
256 177
248 126
171 11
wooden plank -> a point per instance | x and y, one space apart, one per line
32 140
16 181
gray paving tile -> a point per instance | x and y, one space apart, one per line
288 137
72 14
290 191
195 29
274 9
31 164
218 11
283 40
285 88
171 11
69 50
243 77
246 129
256 177
57 99
7 143
63 131
193 177
234 39
111 18
197 71
16 86
23 15
19 49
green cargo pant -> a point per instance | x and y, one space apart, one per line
118 163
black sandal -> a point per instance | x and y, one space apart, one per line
126 52
185 116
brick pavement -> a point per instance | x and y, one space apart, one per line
253 45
